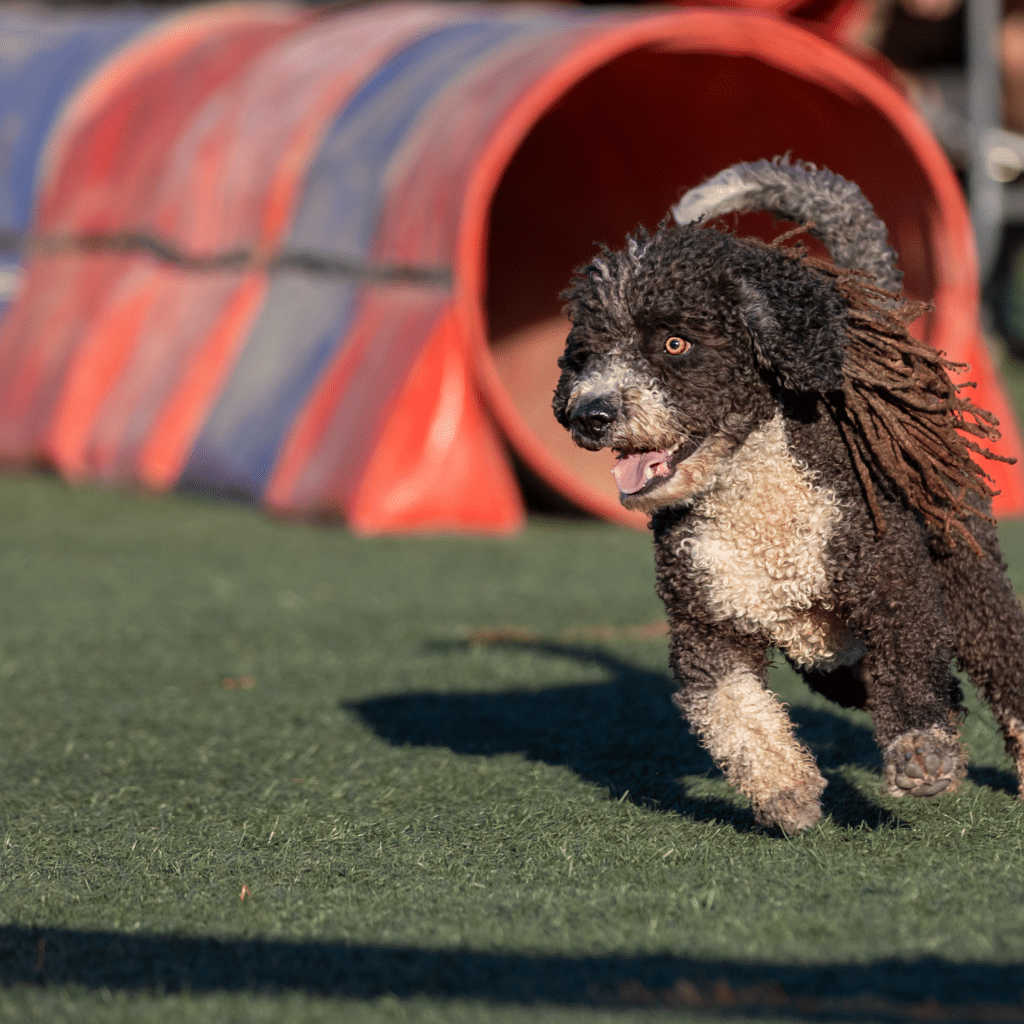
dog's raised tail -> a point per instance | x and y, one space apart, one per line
844 221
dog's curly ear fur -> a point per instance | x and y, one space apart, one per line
798 333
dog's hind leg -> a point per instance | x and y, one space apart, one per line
724 696
988 626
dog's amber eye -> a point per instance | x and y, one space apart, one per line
677 346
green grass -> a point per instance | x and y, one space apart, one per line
449 776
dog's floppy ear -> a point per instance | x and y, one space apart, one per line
798 333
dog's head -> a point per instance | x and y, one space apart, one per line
681 344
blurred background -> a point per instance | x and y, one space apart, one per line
310 257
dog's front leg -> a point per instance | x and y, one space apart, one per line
914 701
896 607
724 696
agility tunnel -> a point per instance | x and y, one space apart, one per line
43 61
313 260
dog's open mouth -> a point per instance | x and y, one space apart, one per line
636 472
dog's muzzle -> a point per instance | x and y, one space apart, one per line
591 419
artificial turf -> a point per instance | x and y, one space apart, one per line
446 777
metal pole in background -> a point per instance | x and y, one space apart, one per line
984 110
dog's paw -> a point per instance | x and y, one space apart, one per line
792 810
924 764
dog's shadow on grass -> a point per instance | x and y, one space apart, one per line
997 779
623 735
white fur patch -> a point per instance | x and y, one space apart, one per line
726 191
759 549
749 735
1015 730
611 376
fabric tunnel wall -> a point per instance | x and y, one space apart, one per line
43 61
313 260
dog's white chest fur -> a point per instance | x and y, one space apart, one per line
759 549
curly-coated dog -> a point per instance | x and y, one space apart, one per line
807 467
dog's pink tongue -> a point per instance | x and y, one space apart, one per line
631 473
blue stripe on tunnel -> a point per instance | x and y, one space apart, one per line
304 319
44 60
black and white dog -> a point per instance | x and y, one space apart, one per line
809 484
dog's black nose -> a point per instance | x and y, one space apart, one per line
593 417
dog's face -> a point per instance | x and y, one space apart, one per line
679 345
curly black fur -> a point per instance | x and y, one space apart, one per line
719 369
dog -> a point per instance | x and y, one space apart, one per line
806 465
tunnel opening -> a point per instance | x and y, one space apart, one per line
615 151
